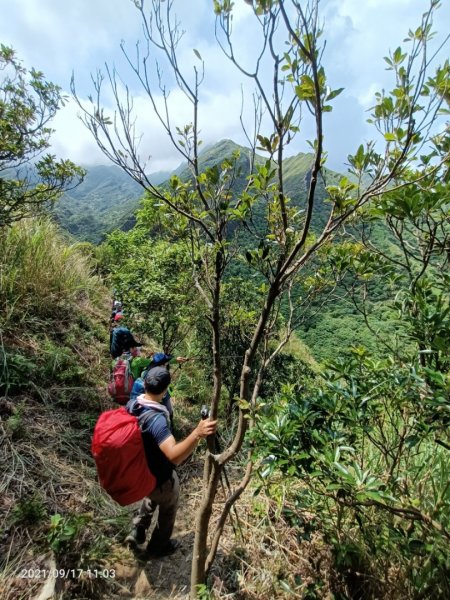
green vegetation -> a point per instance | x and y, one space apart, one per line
106 199
368 441
325 325
368 245
363 453
28 181
153 276
53 369
315 308
45 286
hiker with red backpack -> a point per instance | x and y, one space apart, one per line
126 382
163 453
123 348
136 454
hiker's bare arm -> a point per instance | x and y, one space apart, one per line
178 452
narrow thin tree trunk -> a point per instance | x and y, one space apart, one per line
200 550
211 470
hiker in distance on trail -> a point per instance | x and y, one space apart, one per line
121 339
117 310
163 453
140 366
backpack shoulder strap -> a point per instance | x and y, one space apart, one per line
149 416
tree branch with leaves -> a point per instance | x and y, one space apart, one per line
29 180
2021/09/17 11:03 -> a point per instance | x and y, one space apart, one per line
66 573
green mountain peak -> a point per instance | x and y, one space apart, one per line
108 198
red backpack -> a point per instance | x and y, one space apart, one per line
119 454
122 380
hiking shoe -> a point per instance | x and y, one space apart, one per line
136 537
169 548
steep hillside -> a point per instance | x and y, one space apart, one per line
296 180
108 198
101 203
61 536
296 169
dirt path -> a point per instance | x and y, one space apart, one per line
168 577
67 487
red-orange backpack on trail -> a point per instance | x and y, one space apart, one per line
122 379
119 454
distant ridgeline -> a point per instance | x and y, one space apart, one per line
108 198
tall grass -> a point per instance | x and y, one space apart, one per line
51 308
41 275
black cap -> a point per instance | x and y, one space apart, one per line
157 380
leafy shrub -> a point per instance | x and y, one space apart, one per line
15 370
371 455
63 530
29 510
59 364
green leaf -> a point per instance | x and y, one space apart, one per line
333 94
341 468
243 404
371 495
390 137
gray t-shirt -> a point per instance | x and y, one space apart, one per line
155 430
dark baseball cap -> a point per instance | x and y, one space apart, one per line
157 380
159 358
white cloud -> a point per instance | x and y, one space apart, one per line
366 97
60 37
57 37
360 34
72 139
218 119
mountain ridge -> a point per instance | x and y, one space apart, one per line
108 198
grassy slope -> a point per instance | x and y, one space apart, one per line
53 369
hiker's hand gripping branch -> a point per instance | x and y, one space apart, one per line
206 427
177 453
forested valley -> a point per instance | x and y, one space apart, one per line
313 307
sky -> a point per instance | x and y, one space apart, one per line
81 36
